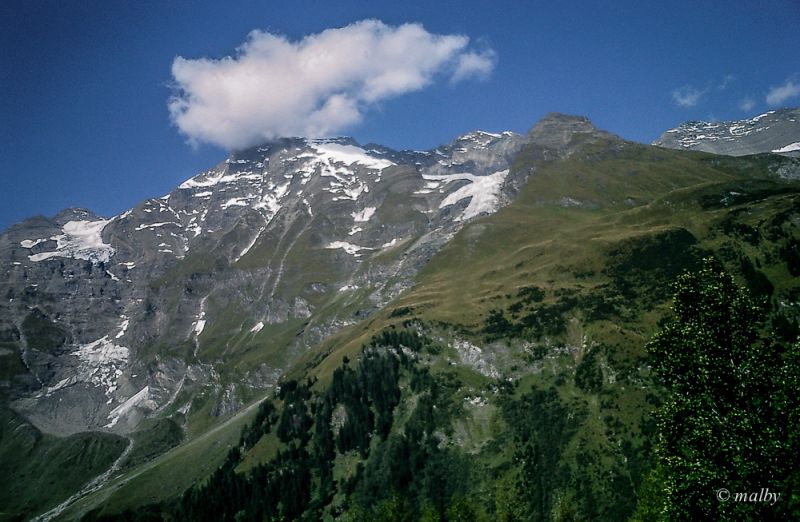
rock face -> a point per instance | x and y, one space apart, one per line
556 131
774 131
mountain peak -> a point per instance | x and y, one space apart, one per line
556 121
557 130
338 140
564 118
75 214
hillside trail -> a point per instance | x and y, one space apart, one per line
91 487
128 476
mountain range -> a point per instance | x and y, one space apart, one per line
774 131
135 349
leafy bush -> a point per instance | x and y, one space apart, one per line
732 416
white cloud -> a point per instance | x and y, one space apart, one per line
477 64
313 87
687 96
747 104
778 95
726 81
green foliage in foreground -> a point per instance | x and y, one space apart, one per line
731 422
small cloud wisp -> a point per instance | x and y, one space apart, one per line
747 104
780 94
687 96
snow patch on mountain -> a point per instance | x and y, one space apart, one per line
484 192
194 227
80 240
789 148
63 383
200 323
756 118
272 198
347 154
257 328
101 363
250 245
215 177
155 225
123 327
334 160
28 243
350 248
140 399
363 215
199 326
235 202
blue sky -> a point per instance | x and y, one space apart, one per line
84 117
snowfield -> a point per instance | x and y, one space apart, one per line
484 191
80 240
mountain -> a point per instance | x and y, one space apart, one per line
774 131
516 277
280 245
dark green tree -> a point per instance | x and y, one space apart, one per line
731 418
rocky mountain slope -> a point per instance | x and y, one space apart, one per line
774 131
525 259
228 277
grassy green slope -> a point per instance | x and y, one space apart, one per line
630 195
168 475
626 192
40 470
